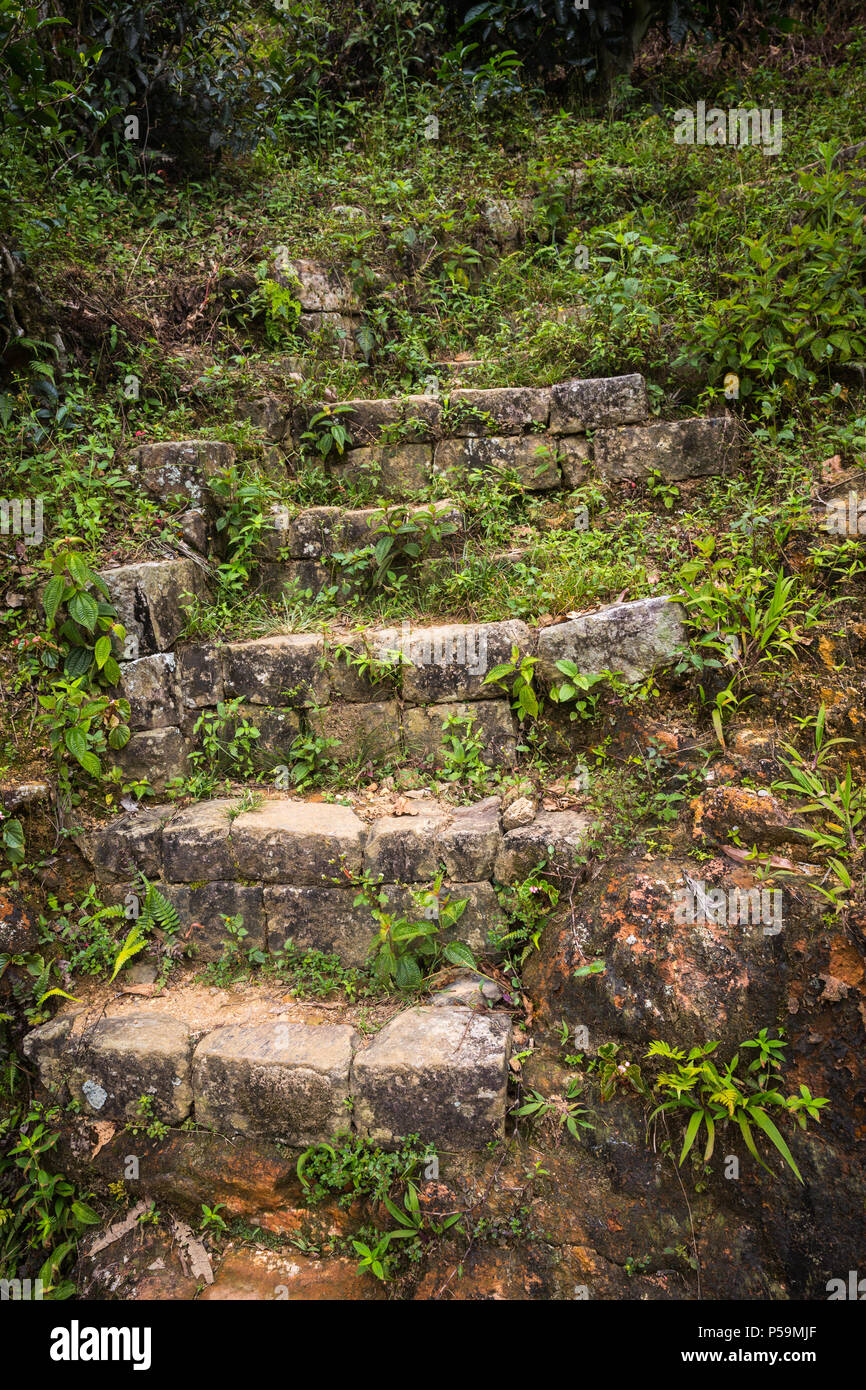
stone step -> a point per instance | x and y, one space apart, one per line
292 867
421 676
439 1072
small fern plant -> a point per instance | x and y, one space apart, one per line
718 1095
157 914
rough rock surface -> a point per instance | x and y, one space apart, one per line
286 1081
628 638
441 1071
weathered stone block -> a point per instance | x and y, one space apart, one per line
268 414
278 729
417 418
150 686
676 449
130 844
151 600
630 638
397 469
177 471
156 754
284 1081
297 841
556 837
533 457
574 455
196 845
46 1047
441 1073
369 731
320 288
276 577
200 675
121 1059
580 405
450 662
500 410
425 735
348 681
319 917
201 910
278 670
402 848
469 843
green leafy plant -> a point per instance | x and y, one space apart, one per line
711 1096
578 690
519 675
80 627
565 1110
41 1214
326 433
81 725
407 947
462 745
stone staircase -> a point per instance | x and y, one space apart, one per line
291 866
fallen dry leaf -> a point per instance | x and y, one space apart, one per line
119 1228
105 1132
192 1252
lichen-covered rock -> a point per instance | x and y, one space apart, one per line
151 599
556 837
441 1073
426 737
500 410
533 457
684 982
757 817
150 686
178 471
402 848
196 845
580 405
450 662
129 845
319 288
284 1081
155 755
369 731
118 1061
278 670
286 841
631 639
200 675
201 910
469 843
676 449
397 470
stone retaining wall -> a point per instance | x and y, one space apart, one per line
440 1072
290 867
